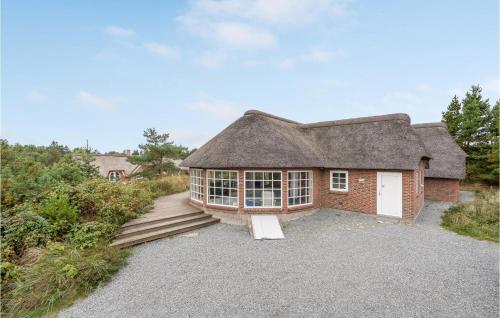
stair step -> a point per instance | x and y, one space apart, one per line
146 237
160 219
148 227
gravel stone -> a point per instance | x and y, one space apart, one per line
333 263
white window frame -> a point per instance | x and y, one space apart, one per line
263 206
311 187
207 186
346 180
191 185
116 175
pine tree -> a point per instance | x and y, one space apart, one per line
474 125
452 117
155 154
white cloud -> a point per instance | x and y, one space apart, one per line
321 56
492 86
276 12
217 108
36 96
162 50
89 99
243 36
234 35
117 31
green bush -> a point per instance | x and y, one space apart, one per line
478 219
59 212
87 234
25 230
58 218
62 274
111 202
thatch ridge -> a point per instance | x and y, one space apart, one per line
359 120
258 112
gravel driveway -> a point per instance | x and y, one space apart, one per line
332 263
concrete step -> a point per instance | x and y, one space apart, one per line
140 222
150 236
156 226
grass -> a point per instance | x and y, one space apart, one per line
478 219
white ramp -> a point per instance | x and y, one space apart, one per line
266 227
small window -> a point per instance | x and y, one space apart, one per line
339 181
114 176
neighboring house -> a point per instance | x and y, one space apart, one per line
266 164
115 167
447 166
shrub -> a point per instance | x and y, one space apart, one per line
59 212
109 202
87 234
25 230
478 219
61 275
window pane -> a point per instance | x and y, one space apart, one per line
277 176
258 176
249 175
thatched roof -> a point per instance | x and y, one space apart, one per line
107 163
448 159
260 140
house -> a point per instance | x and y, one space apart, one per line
447 166
115 167
262 163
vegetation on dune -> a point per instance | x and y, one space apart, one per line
478 219
58 218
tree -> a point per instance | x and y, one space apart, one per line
474 125
155 154
452 117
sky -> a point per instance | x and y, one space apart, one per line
107 70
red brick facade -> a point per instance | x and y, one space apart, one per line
360 197
447 190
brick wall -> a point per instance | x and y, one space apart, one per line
361 195
447 190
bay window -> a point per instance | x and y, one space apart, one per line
262 189
222 187
196 185
299 187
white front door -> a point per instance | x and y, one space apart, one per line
390 193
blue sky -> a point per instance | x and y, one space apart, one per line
107 70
